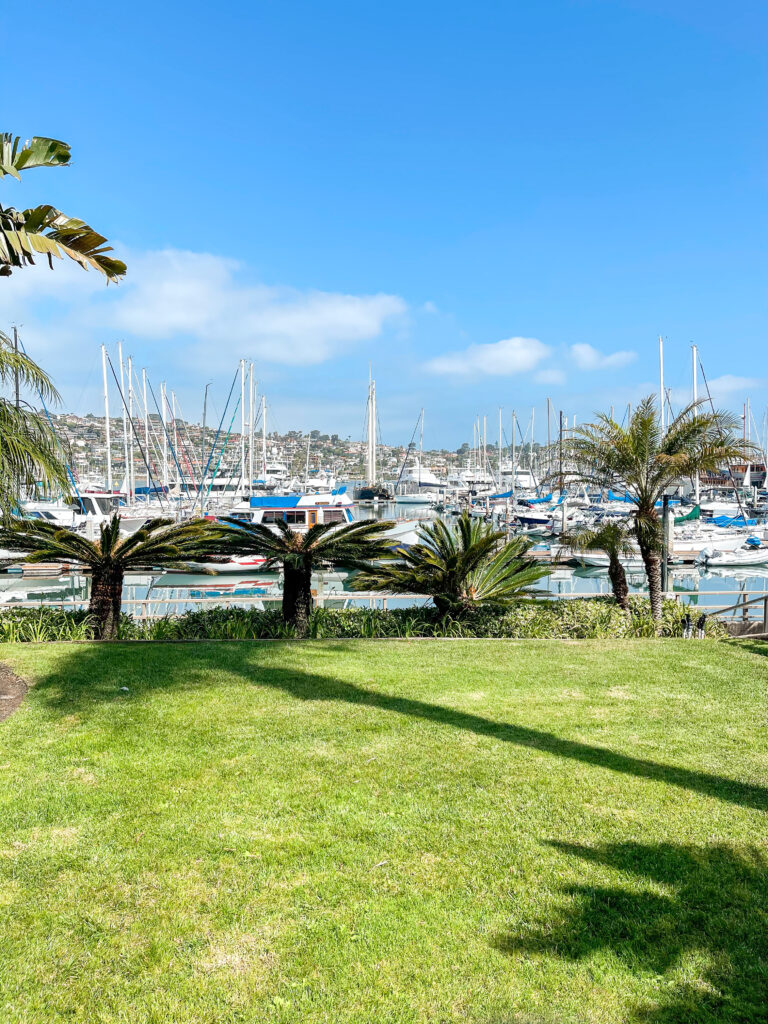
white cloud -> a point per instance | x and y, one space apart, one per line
588 358
501 358
720 388
550 377
173 295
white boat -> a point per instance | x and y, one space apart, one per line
420 498
743 557
243 564
600 560
87 509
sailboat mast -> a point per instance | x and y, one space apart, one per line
421 445
131 468
107 429
499 453
242 422
125 421
373 432
661 383
485 445
695 382
177 470
264 436
146 422
369 419
164 422
251 401
514 450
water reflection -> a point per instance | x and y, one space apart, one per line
168 593
173 592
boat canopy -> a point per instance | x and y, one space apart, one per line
275 501
695 513
726 521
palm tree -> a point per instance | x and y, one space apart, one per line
43 229
325 545
28 450
158 542
648 460
459 567
614 539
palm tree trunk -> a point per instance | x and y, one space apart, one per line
618 582
297 597
106 600
652 563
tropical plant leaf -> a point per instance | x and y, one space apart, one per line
16 156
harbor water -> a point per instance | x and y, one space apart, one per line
163 593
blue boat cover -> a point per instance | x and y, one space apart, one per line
733 521
539 501
275 501
506 494
617 497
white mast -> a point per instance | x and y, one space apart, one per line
242 422
485 445
146 423
264 435
125 420
373 432
164 422
514 469
694 361
250 427
368 434
177 470
661 383
499 452
533 427
421 445
106 418
131 468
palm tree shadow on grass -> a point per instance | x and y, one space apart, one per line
81 682
715 907
759 647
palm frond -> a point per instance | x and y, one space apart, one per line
459 567
46 231
17 156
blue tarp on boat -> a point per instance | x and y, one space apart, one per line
275 501
618 497
725 521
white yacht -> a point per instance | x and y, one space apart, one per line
86 509
418 485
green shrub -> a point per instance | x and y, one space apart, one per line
579 619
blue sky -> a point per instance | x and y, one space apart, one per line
491 202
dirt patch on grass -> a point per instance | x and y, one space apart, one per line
12 691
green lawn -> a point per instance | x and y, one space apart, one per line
538 832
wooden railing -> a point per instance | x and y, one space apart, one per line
149 607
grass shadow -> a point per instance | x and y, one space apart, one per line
759 647
712 908
80 682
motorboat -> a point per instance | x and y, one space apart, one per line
748 555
